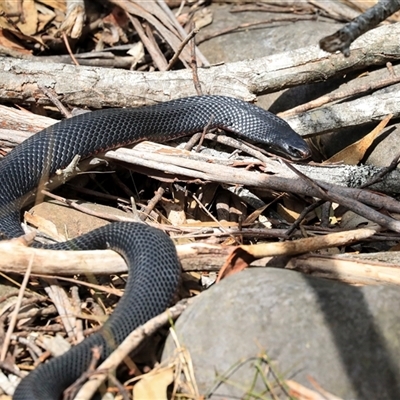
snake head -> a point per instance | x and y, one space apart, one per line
260 127
290 144
280 137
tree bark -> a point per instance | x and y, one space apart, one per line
99 87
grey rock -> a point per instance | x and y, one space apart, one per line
345 337
257 40
261 41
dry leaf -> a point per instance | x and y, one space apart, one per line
154 385
237 261
30 18
350 220
10 42
137 52
59 5
287 213
202 18
44 225
395 248
44 17
175 211
354 153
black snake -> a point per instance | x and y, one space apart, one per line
150 255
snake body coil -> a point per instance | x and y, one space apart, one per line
150 254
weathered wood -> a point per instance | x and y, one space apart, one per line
101 87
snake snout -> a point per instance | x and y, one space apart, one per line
295 147
298 153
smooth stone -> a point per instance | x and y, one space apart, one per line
345 337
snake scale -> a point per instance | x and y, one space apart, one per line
150 255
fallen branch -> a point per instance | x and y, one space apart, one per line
242 256
309 244
354 271
357 112
342 39
101 87
16 257
169 164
